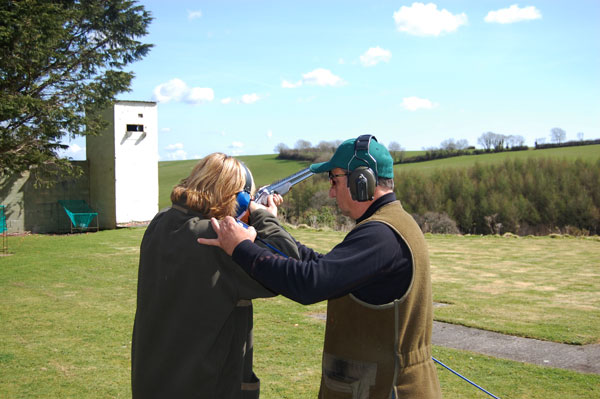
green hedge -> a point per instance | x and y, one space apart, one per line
534 196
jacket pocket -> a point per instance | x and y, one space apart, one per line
350 377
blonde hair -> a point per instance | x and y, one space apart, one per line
212 186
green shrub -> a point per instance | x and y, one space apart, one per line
535 196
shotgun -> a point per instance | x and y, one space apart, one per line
282 186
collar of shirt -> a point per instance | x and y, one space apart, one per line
379 202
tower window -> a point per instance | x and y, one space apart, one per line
135 128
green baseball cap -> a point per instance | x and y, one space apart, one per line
346 158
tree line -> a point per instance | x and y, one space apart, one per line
535 196
490 142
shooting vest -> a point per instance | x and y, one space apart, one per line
384 351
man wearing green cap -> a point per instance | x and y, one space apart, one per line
377 282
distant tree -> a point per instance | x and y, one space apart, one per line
394 146
303 145
491 140
452 145
448 144
396 151
327 146
61 62
515 141
462 144
281 147
557 135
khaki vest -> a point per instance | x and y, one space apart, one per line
384 351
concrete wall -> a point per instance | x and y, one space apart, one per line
100 153
120 179
36 210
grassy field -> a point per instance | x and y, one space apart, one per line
586 153
67 305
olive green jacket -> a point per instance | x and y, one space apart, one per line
192 335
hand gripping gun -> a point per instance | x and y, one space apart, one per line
282 186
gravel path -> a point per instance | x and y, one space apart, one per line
582 358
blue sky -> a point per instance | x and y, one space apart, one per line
241 77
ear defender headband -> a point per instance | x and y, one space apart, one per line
244 196
363 180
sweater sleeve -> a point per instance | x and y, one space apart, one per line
270 231
365 256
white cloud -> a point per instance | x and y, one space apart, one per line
415 103
165 130
179 155
174 89
269 133
175 152
199 95
250 98
74 151
318 77
375 55
289 85
513 14
322 77
426 20
236 147
178 90
194 14
226 100
173 147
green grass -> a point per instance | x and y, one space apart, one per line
67 305
586 153
537 287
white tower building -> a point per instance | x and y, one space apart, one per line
123 164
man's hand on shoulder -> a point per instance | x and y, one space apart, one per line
229 234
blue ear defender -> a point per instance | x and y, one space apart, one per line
243 200
244 197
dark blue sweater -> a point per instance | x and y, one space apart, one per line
372 262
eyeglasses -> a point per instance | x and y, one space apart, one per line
333 176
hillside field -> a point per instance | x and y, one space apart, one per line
267 168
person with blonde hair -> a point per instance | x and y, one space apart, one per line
192 335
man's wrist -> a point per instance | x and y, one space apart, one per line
241 252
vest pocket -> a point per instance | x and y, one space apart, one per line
348 376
